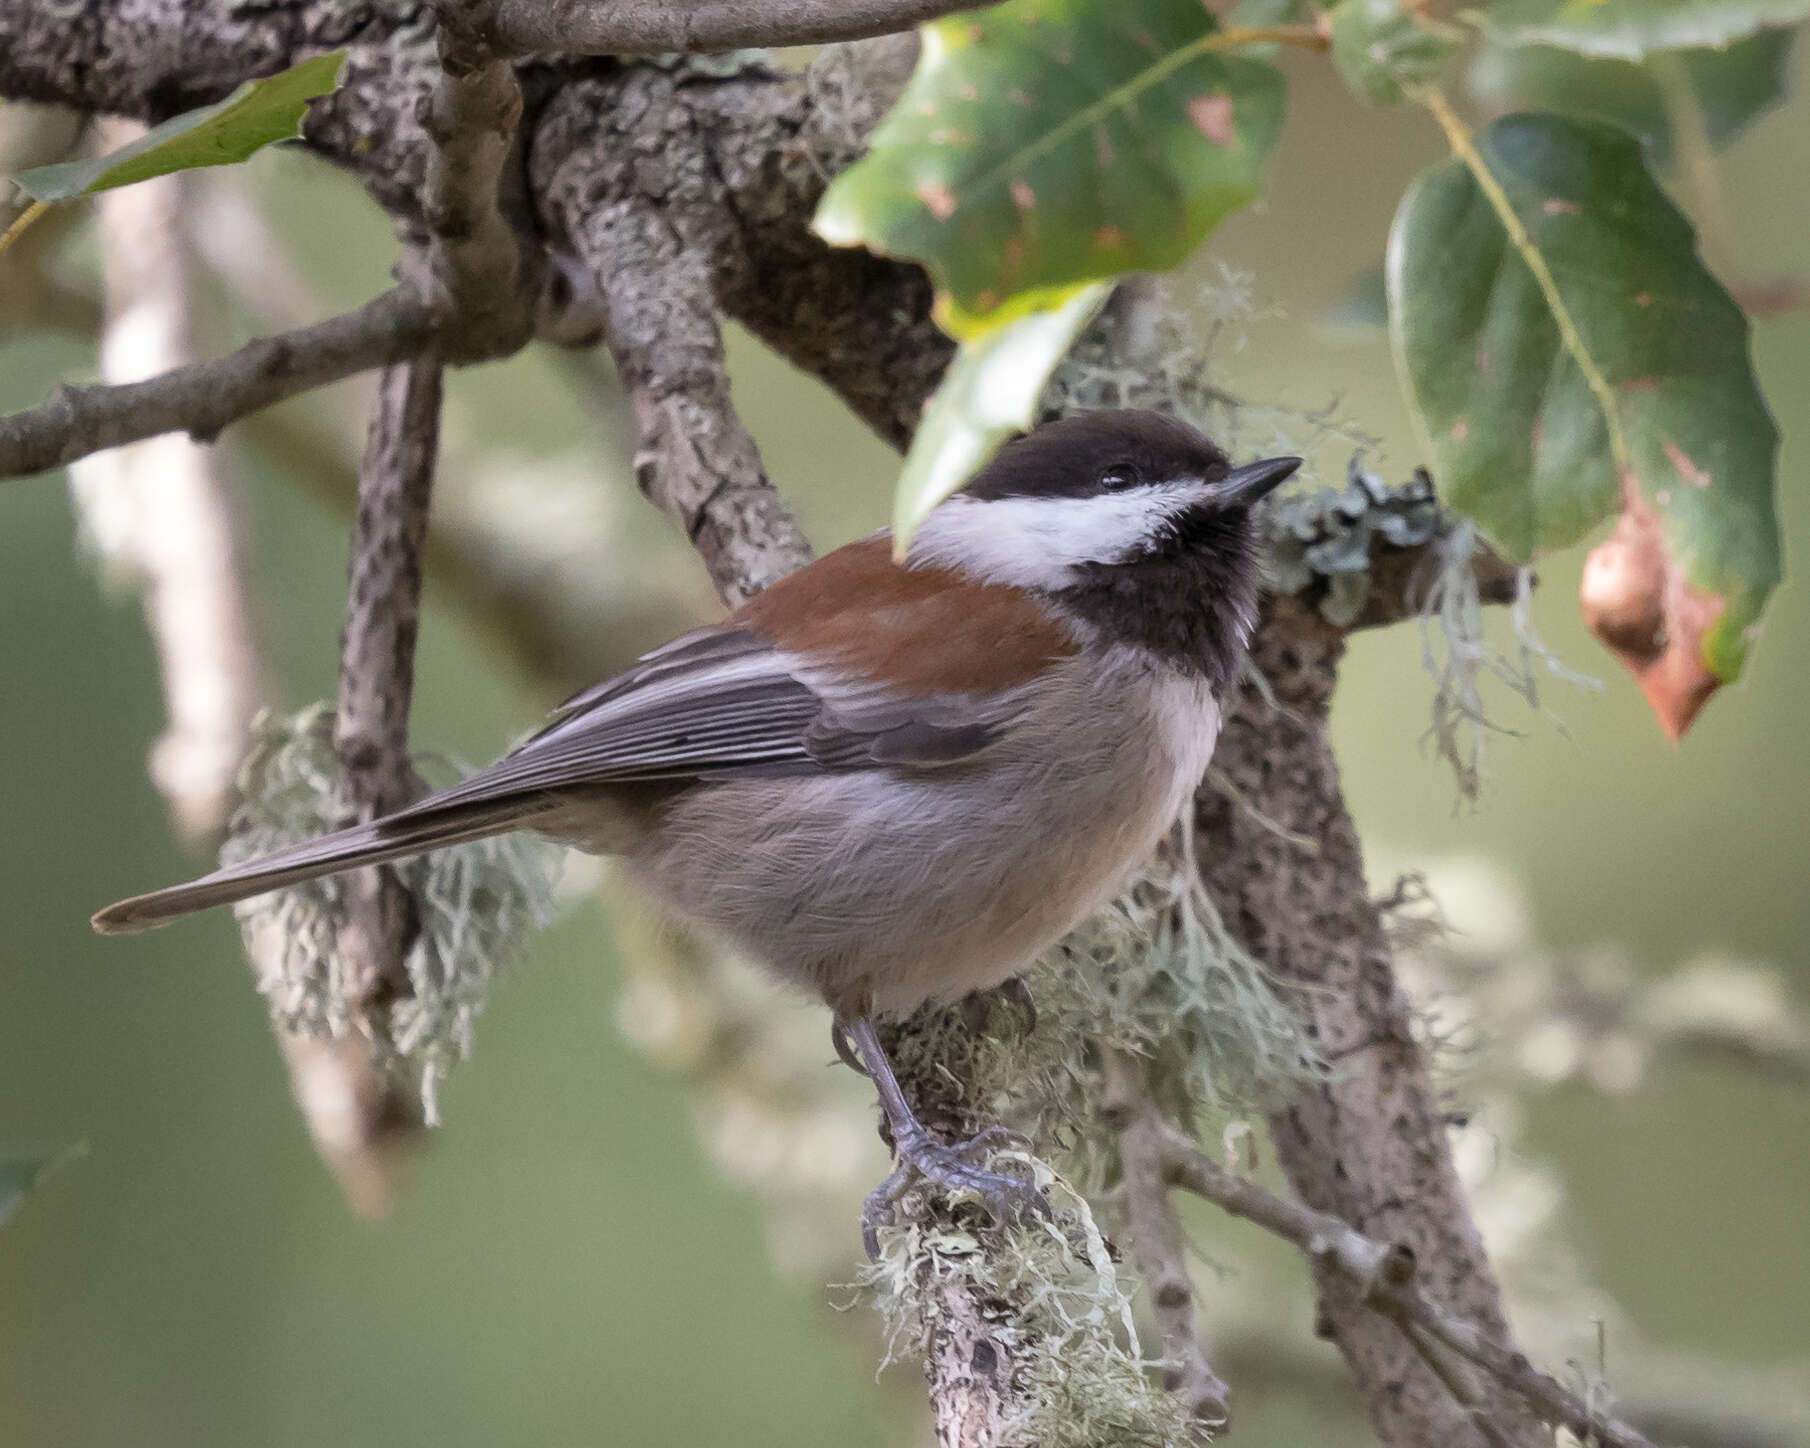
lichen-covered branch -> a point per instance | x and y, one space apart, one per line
377 659
1386 1277
204 397
1368 1143
362 1116
640 204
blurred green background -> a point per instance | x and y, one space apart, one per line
567 1267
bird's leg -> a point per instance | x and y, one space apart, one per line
921 1155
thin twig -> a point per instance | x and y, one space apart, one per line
1384 1277
1158 1244
377 659
1458 1383
364 1118
203 398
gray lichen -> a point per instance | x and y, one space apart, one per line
475 903
1155 975
1330 534
1061 1320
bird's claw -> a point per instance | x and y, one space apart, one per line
954 1169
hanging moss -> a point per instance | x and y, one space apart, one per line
476 901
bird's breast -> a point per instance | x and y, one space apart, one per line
883 889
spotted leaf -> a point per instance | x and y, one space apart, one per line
1046 143
1523 441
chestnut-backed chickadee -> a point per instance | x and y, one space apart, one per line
898 782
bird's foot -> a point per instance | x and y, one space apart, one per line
955 1169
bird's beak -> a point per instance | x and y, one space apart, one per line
1243 486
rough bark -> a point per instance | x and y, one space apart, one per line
377 659
970 1375
1368 1144
642 206
204 397
733 169
654 27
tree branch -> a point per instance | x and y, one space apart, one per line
1158 1245
635 199
203 398
475 296
377 659
655 27
162 513
1385 1276
377 1116
476 262
1367 1144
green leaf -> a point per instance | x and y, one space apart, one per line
989 392
256 114
1732 86
1520 440
1045 143
1382 47
22 1169
1632 29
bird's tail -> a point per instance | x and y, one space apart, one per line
396 838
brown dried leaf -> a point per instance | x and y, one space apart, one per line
1636 601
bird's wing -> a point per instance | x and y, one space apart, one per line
779 689
847 665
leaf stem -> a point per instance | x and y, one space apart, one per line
1308 37
1464 147
20 222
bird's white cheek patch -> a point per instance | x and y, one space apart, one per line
1038 542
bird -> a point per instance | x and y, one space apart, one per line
897 776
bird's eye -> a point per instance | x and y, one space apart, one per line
1119 477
